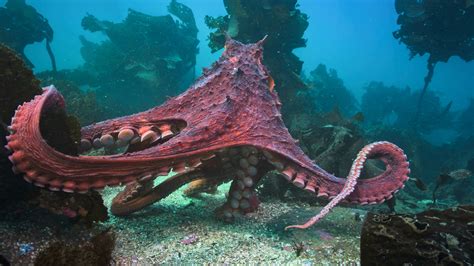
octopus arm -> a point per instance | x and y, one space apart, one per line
306 175
46 167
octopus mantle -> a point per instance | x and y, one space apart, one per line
227 125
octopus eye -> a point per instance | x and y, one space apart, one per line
271 83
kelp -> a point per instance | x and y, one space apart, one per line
465 121
441 29
21 25
145 58
395 107
327 91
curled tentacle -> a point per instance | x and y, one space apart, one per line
46 167
396 168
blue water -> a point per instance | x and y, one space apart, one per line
352 36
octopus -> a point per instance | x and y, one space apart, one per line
226 127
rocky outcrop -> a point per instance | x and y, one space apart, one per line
432 237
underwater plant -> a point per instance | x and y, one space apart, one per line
283 23
228 125
465 121
21 25
441 29
327 91
387 99
151 54
393 106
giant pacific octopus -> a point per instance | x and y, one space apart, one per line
226 126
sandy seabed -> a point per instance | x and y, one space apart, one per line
183 230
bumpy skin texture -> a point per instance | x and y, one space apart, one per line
230 112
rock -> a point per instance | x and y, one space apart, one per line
4 261
431 237
17 85
84 208
61 131
96 251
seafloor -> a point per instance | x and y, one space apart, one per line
159 233
182 230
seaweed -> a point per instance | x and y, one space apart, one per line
144 59
327 91
392 106
21 25
465 121
441 29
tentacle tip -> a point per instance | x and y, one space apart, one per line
294 226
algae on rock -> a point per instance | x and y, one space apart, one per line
431 237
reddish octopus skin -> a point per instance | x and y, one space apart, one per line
232 105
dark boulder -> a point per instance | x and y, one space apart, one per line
431 237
